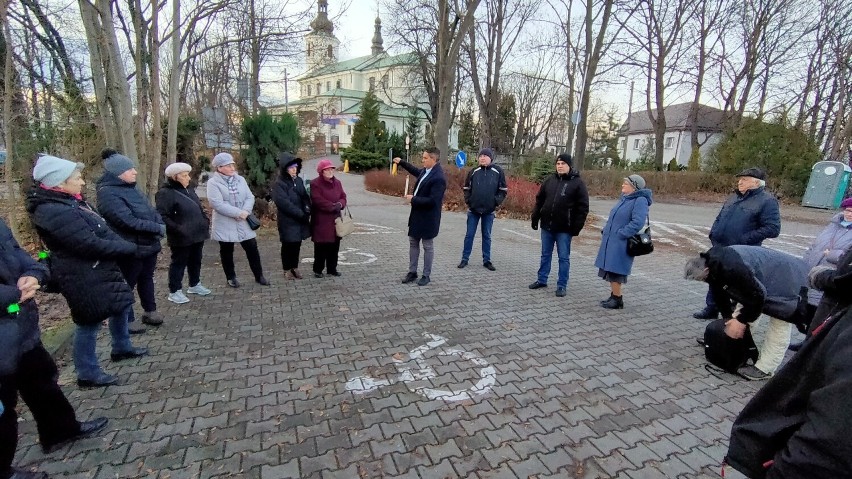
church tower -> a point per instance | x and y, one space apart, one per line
378 42
321 45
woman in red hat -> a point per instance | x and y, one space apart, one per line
328 199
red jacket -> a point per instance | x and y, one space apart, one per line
324 195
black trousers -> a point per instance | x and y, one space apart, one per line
325 256
290 255
36 381
139 274
185 258
226 254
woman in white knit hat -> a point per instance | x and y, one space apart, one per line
187 226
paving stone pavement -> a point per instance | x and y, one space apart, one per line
251 382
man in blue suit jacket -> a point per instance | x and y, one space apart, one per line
425 218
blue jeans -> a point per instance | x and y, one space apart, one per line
85 341
563 250
487 222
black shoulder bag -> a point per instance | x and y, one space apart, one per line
640 244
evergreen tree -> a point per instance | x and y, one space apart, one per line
504 127
412 128
468 133
369 133
264 137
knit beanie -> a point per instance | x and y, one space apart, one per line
118 164
50 171
487 152
847 203
566 158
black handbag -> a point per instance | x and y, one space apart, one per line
253 221
641 244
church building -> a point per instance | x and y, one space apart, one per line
331 91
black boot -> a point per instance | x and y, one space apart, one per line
614 302
708 312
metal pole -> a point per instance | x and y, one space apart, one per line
286 98
627 133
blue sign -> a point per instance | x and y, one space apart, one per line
461 159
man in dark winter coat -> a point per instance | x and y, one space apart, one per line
484 189
561 207
748 217
427 200
129 214
187 226
748 281
25 366
797 425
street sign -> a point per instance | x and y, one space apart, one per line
461 159
575 117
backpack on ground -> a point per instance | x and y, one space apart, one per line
726 352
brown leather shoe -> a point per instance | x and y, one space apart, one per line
296 273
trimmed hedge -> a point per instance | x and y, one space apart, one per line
360 160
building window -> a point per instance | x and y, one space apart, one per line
318 88
327 86
337 85
309 49
372 83
669 142
385 81
309 90
328 52
624 144
636 143
349 130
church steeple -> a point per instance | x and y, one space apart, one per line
377 38
320 44
321 24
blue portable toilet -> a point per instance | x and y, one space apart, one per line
827 185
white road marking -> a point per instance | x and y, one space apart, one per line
407 374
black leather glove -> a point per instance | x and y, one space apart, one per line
535 223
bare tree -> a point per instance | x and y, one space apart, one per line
489 44
111 87
704 25
658 31
451 34
759 36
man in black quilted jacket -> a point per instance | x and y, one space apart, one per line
484 189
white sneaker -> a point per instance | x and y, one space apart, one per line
178 297
199 290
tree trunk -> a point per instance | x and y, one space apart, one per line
155 150
9 91
174 85
450 37
91 23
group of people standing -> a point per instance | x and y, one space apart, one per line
560 211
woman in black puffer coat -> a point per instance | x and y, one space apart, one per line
187 226
83 255
294 212
129 213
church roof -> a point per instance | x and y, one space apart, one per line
365 63
677 118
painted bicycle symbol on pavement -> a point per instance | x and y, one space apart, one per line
422 371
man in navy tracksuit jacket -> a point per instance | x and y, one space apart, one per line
484 189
